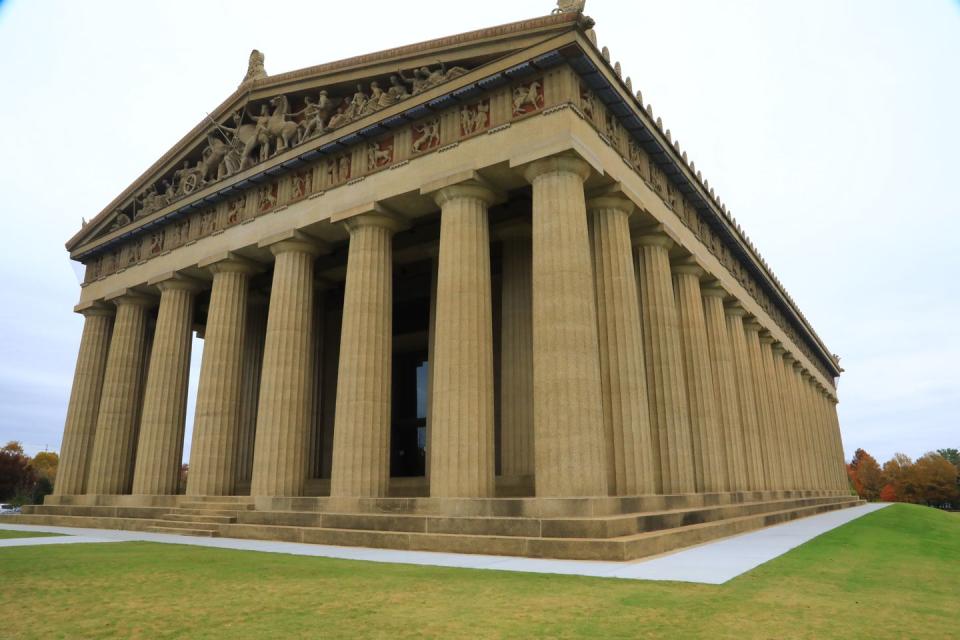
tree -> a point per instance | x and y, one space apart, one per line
46 463
936 478
17 477
888 493
951 455
865 474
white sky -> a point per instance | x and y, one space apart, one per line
829 128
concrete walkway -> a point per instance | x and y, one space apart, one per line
711 563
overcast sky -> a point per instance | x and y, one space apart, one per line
828 127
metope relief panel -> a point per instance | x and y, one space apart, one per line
425 136
527 98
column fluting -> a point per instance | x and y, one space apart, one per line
462 437
746 396
569 449
779 454
216 422
163 421
765 422
626 414
114 446
286 382
665 378
516 353
724 384
709 456
84 407
254 335
361 434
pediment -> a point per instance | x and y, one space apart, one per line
269 116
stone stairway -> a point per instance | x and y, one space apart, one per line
614 529
204 516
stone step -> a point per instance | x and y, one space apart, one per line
614 549
204 533
205 518
177 524
204 512
217 506
243 499
588 527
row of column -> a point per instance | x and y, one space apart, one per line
622 371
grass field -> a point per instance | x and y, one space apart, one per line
891 574
6 534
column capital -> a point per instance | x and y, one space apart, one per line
95 308
687 266
750 323
372 214
654 236
788 357
778 348
464 184
766 337
293 240
564 163
229 262
713 289
131 297
176 281
610 199
734 308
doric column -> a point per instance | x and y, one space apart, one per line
286 380
794 428
709 461
568 418
816 445
461 447
833 455
516 352
746 396
160 446
665 378
765 420
724 385
253 338
216 423
808 455
361 434
114 446
838 436
779 452
81 422
626 414
788 442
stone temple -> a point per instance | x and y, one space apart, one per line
462 295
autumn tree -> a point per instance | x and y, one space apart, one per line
936 478
865 474
17 477
46 463
951 455
888 493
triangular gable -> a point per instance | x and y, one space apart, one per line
268 115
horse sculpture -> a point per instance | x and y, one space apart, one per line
281 130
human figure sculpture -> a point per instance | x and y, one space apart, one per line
315 113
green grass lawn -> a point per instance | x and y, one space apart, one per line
8 533
891 574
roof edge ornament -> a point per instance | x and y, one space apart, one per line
569 6
255 68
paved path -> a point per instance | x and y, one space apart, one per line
711 563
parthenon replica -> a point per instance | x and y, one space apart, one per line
462 295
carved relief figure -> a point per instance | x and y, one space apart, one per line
156 242
338 170
315 116
235 209
426 135
267 197
587 103
474 117
380 154
424 78
527 98
300 185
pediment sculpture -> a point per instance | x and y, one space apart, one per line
262 129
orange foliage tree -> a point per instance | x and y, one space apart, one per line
865 474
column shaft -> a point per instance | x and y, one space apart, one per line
765 422
84 407
784 363
569 448
361 435
216 423
462 453
779 450
516 357
746 398
665 378
725 391
708 452
114 447
160 447
626 414
286 381
254 336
